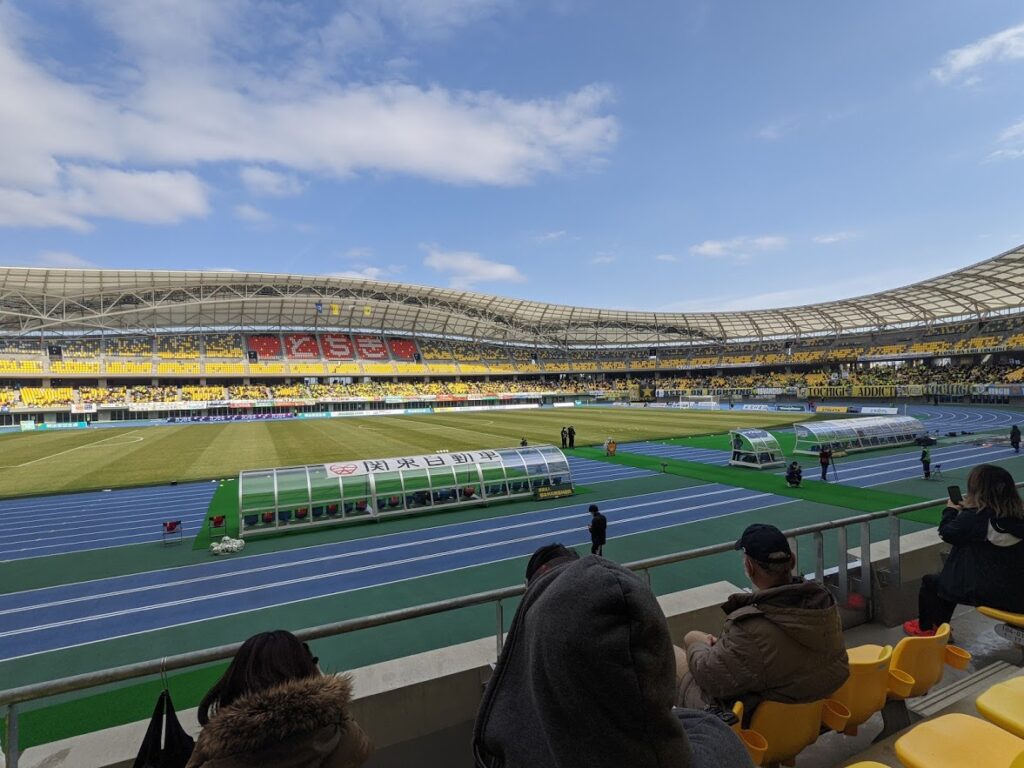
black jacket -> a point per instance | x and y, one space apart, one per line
986 565
1015 434
598 529
586 680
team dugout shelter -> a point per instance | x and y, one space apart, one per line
857 434
755 448
271 500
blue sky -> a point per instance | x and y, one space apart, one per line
657 155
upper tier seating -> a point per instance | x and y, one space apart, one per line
20 367
402 349
337 346
224 345
129 346
178 347
371 347
267 346
301 346
19 345
78 347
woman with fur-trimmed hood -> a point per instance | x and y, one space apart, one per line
273 708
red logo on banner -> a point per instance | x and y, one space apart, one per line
342 469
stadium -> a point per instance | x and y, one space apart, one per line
205 400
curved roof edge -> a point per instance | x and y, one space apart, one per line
45 300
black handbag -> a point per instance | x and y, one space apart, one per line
166 744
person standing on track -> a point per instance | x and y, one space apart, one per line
571 432
1015 438
825 458
598 530
926 462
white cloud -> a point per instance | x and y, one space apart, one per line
198 83
668 257
1012 140
267 183
834 237
366 273
251 214
63 260
466 268
547 237
1002 46
82 193
739 248
358 253
775 130
603 258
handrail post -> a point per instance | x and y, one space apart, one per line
894 550
500 631
795 548
11 726
819 557
841 563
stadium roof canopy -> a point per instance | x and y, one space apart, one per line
77 301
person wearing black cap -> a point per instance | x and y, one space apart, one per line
781 642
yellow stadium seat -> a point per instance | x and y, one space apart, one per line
958 741
867 764
790 728
1003 705
1015 619
755 743
871 683
924 659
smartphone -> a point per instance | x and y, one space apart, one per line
954 494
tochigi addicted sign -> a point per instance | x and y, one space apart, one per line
430 461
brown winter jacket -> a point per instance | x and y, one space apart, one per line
782 644
300 724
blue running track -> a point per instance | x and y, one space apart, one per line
590 472
942 418
681 452
49 525
66 616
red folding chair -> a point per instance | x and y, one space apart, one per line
172 532
216 523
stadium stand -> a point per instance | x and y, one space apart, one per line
177 369
194 393
301 346
16 345
78 347
224 369
42 397
337 346
128 368
224 345
9 397
178 347
370 347
20 367
75 367
402 349
267 346
129 346
266 369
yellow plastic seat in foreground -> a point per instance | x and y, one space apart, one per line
789 728
871 684
868 764
923 659
957 741
1014 619
1003 705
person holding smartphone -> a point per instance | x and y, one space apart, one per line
986 564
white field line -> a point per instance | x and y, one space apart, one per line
93 444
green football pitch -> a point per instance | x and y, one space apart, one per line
55 462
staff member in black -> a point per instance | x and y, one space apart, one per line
598 530
565 437
1015 438
572 436
825 458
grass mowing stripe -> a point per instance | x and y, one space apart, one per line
224 502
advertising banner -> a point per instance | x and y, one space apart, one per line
789 407
372 466
84 408
752 407
879 411
832 409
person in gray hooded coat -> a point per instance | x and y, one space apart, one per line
586 679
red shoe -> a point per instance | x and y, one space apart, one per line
913 628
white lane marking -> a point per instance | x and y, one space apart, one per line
250 588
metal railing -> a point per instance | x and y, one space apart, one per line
11 698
